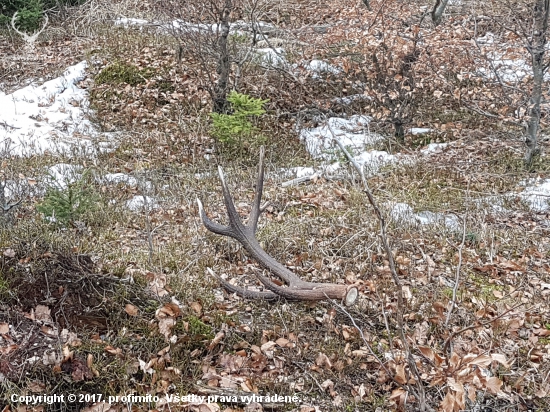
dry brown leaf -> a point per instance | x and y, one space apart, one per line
36 387
398 396
168 310
479 360
4 350
448 403
322 360
157 283
113 351
4 328
500 358
267 346
400 374
217 339
493 384
42 313
197 308
99 407
328 384
283 343
427 352
131 309
165 327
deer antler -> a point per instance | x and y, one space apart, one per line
32 38
296 288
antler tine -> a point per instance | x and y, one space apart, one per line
213 226
234 218
24 35
256 209
320 291
44 25
242 292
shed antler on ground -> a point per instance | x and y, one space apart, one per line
295 288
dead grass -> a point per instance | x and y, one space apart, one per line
324 230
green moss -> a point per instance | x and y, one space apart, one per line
4 286
198 327
120 72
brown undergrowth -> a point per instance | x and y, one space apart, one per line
123 303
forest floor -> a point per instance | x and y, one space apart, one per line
118 300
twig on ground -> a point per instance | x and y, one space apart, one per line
299 180
419 392
475 325
362 335
458 269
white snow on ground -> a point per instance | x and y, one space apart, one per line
320 66
420 130
49 118
126 22
537 195
115 178
404 214
141 203
352 132
434 148
272 57
508 64
61 175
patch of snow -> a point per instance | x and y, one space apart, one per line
115 178
430 218
403 213
49 118
537 195
375 159
272 57
489 38
192 27
420 130
352 132
322 67
61 175
138 203
508 65
434 148
301 171
126 22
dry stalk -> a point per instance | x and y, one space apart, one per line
458 269
418 389
453 335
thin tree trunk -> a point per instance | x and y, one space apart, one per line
536 48
221 104
399 130
437 11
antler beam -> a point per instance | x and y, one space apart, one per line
296 288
